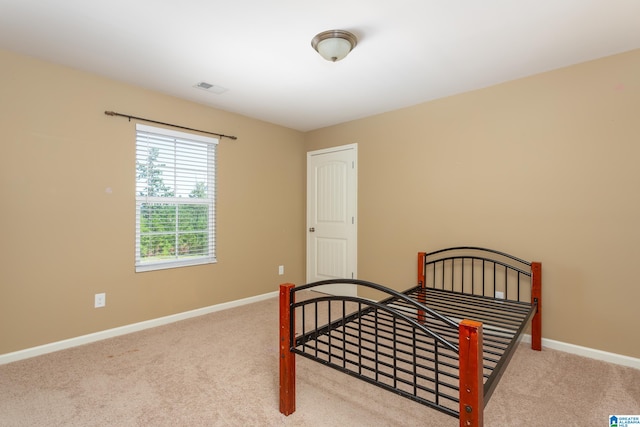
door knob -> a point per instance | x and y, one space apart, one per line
312 229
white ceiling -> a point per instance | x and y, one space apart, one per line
409 51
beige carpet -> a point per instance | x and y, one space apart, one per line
222 370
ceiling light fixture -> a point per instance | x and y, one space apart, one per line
333 45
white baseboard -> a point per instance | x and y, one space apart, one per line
591 353
127 329
135 327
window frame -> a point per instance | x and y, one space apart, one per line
145 131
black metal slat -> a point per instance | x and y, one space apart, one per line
483 314
381 351
423 349
493 340
457 306
415 365
329 326
383 328
452 410
508 324
504 304
485 281
379 355
379 316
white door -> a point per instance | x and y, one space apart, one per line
331 217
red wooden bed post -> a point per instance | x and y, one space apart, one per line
536 294
421 282
471 374
287 358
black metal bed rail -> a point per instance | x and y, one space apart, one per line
491 382
477 249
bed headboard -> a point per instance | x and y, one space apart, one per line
476 271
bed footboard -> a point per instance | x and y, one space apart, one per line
384 344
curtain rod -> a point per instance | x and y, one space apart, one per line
113 113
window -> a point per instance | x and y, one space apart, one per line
175 198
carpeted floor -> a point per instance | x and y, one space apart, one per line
221 369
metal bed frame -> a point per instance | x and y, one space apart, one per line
444 343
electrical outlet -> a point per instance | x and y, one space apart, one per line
281 270
499 295
100 300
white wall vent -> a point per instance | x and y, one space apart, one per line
211 88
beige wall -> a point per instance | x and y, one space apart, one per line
544 167
64 237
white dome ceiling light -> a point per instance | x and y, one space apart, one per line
333 45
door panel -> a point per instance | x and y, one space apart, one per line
331 258
331 217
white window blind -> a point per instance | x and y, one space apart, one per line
175 198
